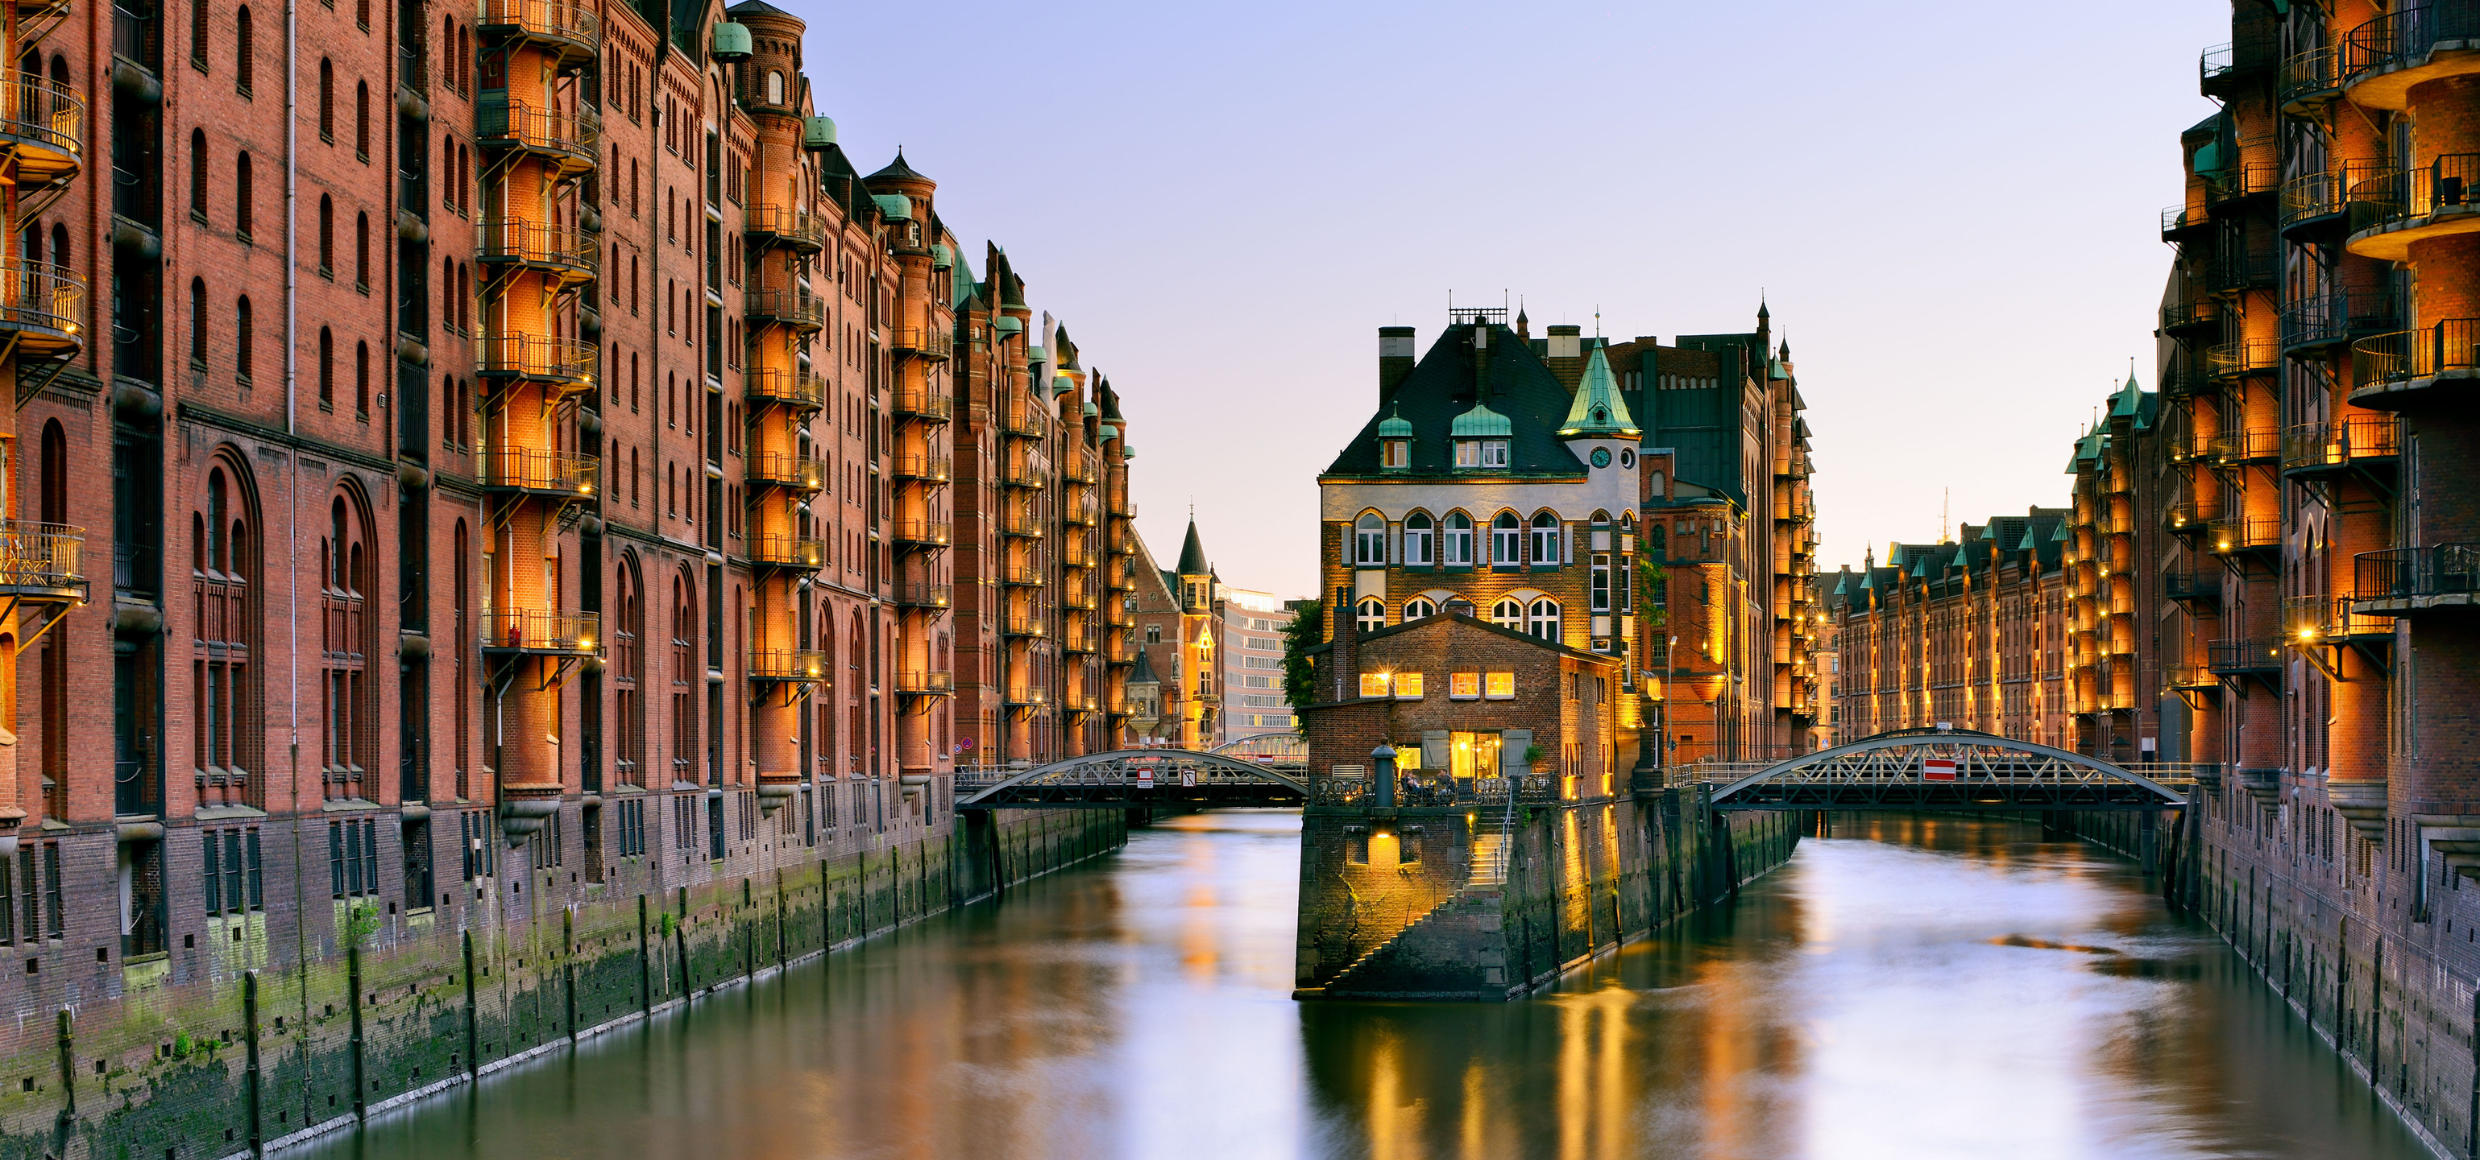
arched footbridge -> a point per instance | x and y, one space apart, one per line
1935 769
1270 770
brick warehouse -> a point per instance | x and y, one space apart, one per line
459 291
1512 473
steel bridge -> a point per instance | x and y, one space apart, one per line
1946 769
1270 770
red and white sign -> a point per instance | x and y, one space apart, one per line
1145 777
1938 769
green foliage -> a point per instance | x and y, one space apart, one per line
361 923
1306 631
667 924
1653 592
180 1046
1533 754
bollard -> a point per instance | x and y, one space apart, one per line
1382 776
353 1004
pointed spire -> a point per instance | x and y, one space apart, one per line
1192 550
1598 411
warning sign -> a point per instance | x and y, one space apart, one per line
1145 777
1938 769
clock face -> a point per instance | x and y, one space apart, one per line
1601 457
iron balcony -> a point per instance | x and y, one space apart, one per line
2190 315
787 665
2381 59
2238 269
2231 360
1021 523
1024 576
802 232
2405 581
569 30
42 561
924 594
923 466
2248 446
787 469
2230 658
922 342
566 252
43 125
2241 182
919 532
2403 206
924 683
534 471
2315 449
571 142
2227 68
919 401
1022 472
2314 620
2198 585
540 631
2310 80
43 308
2315 326
802 312
1023 624
2181 222
804 391
565 363
777 550
2236 534
2395 370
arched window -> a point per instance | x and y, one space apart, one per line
225 701
1508 613
1657 539
1506 537
447 292
242 51
629 671
327 236
1546 541
1369 540
361 250
774 87
327 369
198 323
198 10
1418 540
686 678
1456 541
327 100
348 697
241 195
361 379
198 167
1419 608
1543 619
361 118
1370 614
241 339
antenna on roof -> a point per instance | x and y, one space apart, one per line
1946 500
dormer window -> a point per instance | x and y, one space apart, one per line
1482 453
1395 454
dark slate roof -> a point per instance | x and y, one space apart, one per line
1444 384
1193 554
896 169
1144 671
754 8
1476 622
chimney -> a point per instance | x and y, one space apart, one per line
1394 360
1345 661
1564 352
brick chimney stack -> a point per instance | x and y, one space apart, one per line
1346 661
1394 360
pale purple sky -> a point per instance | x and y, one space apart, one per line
1951 206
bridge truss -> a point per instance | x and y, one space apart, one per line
1947 770
1129 778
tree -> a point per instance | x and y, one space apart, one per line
1306 631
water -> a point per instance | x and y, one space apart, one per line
1952 988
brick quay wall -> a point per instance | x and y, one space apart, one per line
256 1036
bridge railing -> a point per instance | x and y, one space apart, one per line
1416 791
2168 773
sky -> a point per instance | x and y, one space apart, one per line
1951 208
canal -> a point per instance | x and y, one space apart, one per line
1913 988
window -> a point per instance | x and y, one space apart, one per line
1546 541
327 237
1483 453
241 196
353 858
1419 608
1369 540
327 369
198 168
327 100
361 252
1464 686
230 872
1395 454
241 340
1544 619
198 34
241 51
1506 538
347 640
774 87
1417 540
1501 686
1408 688
361 379
361 119
1374 684
1601 584
1508 613
198 323
1370 614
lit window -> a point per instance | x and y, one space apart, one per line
1395 454
1502 686
1417 535
1464 686
1459 540
1419 608
1505 536
1370 614
1373 684
1369 540
1408 688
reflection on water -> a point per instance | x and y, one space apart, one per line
1913 988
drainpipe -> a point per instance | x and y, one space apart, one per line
292 497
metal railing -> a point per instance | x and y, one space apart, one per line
520 125
2242 533
2406 355
2242 179
2237 268
545 19
787 224
922 532
2337 317
535 630
2192 585
1025 418
2308 74
1019 522
788 469
2192 312
802 311
2340 442
1023 624
46 114
1024 576
535 244
1023 471
927 342
924 594
2248 445
44 297
2319 619
2228 657
2189 677
538 470
36 557
562 360
2248 357
2452 181
2410 573
787 664
2398 37
2225 65
932 466
806 390
921 401
2177 218
782 550
924 683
